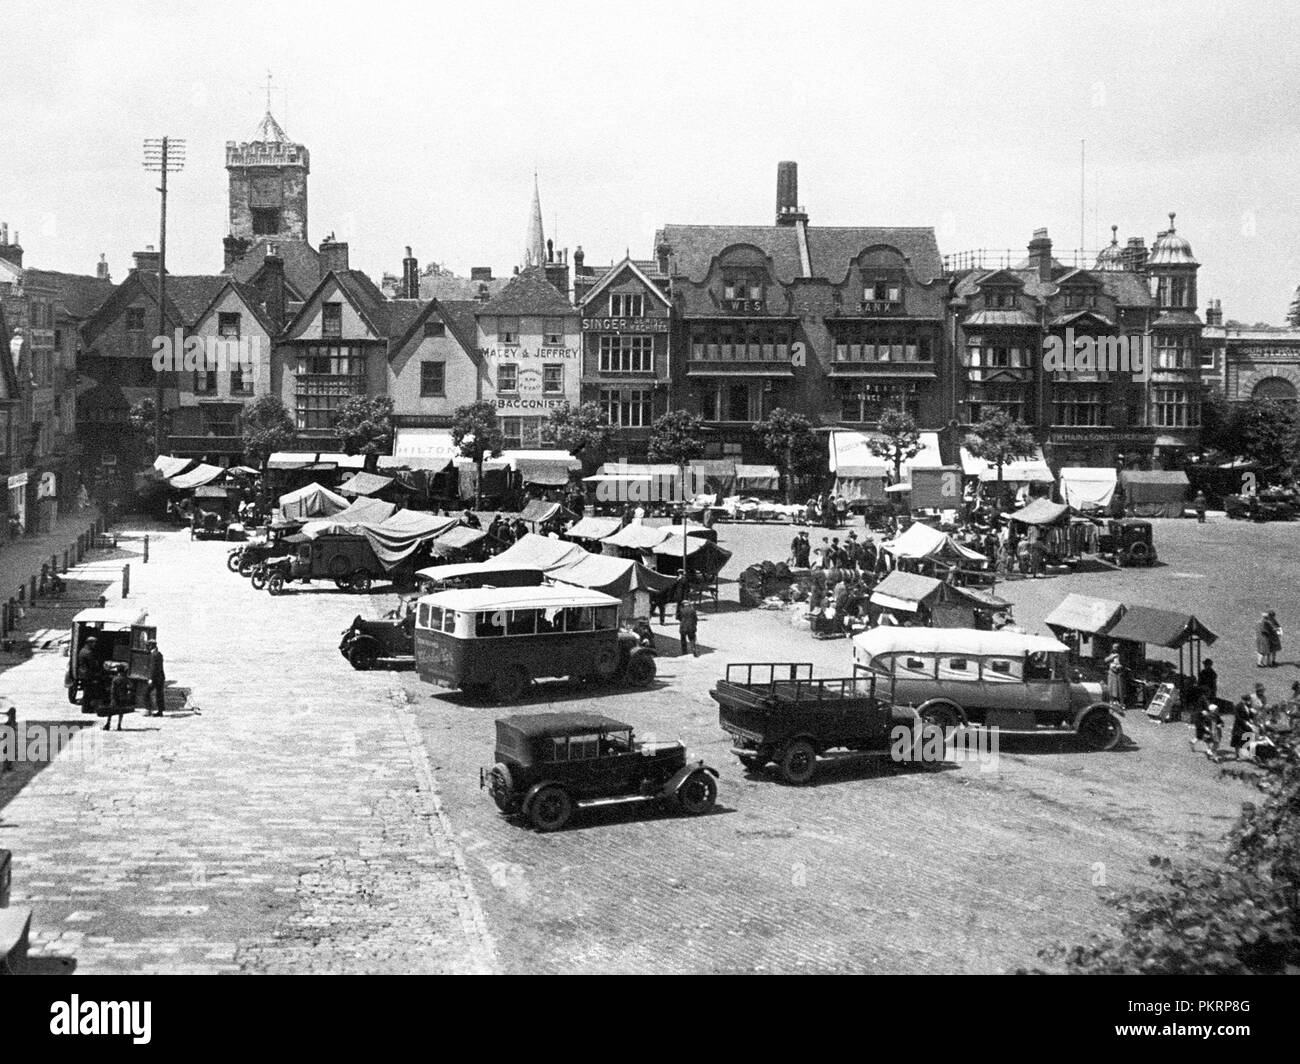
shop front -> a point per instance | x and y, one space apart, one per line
18 501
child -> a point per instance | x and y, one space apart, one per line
121 697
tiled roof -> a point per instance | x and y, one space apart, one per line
189 296
1062 320
79 295
694 248
1177 317
831 249
986 318
446 285
459 316
529 292
301 263
368 300
1127 288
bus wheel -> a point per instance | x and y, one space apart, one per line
1100 729
509 683
941 715
550 809
797 762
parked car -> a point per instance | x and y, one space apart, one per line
1016 683
389 641
263 543
1129 541
348 560
1269 505
494 641
779 712
550 764
121 635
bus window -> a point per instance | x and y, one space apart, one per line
606 617
449 621
549 620
556 750
578 619
521 622
913 667
490 624
1001 670
423 618
956 669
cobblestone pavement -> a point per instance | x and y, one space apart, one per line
280 818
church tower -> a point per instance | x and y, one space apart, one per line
535 244
268 186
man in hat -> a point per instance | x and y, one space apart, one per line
87 669
155 700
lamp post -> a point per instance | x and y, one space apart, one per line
162 155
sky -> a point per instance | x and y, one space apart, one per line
425 123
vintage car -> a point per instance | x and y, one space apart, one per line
121 635
1005 680
1272 504
389 641
263 543
494 641
549 764
348 560
779 712
1129 541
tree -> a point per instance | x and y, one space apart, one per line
582 431
999 438
365 423
268 427
677 437
1268 433
477 433
898 439
790 442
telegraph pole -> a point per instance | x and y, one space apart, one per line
162 155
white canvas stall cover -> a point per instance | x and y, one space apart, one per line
315 500
852 448
1088 487
1018 471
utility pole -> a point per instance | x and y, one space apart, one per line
162 155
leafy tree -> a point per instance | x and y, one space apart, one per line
999 438
1268 432
268 427
790 442
365 423
582 431
1235 916
477 433
898 439
677 437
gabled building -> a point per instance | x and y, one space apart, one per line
626 352
839 324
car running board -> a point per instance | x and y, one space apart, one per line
592 803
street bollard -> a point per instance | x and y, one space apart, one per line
4 619
33 586
126 579
65 559
54 564
146 550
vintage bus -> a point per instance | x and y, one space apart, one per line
1014 682
494 641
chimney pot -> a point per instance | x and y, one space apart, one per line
333 256
787 194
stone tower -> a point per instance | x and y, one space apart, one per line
268 185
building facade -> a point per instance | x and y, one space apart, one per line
1245 362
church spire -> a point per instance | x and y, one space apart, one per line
535 245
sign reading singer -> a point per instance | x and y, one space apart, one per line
625 325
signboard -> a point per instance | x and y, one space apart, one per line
529 365
18 480
1163 702
625 325
424 443
938 488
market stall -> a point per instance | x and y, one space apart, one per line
1085 488
1154 493
314 500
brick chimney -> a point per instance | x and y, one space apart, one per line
1135 254
788 210
410 277
101 268
333 255
1040 254
1214 313
480 273
233 249
148 260
12 253
271 287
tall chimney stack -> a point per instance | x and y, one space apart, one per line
1040 254
333 255
410 277
101 268
788 210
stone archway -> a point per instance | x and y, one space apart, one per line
1282 385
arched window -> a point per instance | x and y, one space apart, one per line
1278 389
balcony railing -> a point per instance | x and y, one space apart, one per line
740 352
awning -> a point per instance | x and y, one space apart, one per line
397 538
1088 487
1084 613
861 483
533 551
424 448
291 460
899 489
1039 512
906 591
1154 493
244 471
200 474
1160 628
613 576
852 448
457 539
1018 471
168 467
314 500
364 484
758 478
594 528
648 537
362 511
547 468
976 596
539 511
922 541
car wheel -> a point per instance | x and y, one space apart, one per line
259 578
362 656
641 669
501 787
753 762
697 793
509 683
360 583
1100 729
798 762
246 569
550 809
232 561
343 582
275 585
941 716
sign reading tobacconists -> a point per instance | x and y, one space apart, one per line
625 325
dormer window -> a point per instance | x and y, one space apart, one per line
883 290
1000 298
626 305
744 289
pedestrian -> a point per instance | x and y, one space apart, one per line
1116 682
156 696
1208 679
88 670
688 621
1209 726
1201 504
1268 640
841 506
121 697
1245 716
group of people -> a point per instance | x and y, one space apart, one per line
108 688
853 554
1260 729
827 510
